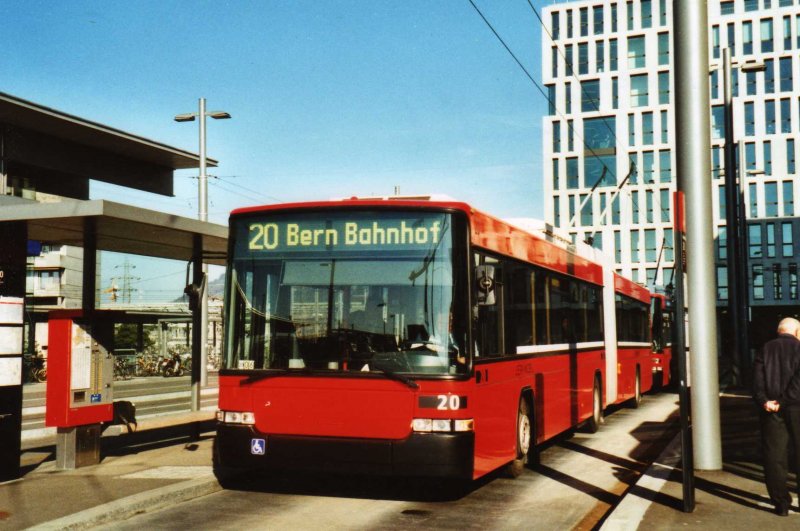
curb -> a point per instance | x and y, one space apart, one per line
629 513
151 500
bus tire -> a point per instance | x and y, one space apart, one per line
637 390
524 440
594 422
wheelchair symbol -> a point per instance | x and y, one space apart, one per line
258 446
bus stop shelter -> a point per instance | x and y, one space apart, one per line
45 150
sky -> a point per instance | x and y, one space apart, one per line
328 98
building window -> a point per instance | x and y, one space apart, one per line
664 127
615 211
715 42
647 13
669 246
750 83
555 26
600 56
590 95
631 130
598 20
722 243
649 206
663 87
716 162
551 100
664 204
647 128
583 58
48 280
614 15
785 74
586 210
639 91
767 39
557 211
754 240
572 173
769 76
567 98
758 282
749 119
635 246
600 170
753 200
554 62
570 136
777 282
630 15
650 245
556 137
750 5
747 38
636 50
793 281
617 247
790 166
665 166
599 135
787 33
635 207
569 23
633 170
584 21
663 13
787 240
612 55
767 152
648 163
726 7
750 155
568 64
770 240
722 283
555 175
718 121
786 115
788 198
614 93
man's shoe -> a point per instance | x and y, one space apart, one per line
782 510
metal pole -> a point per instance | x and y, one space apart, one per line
203 206
693 148
197 273
731 221
743 326
679 351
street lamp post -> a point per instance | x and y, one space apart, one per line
202 208
736 261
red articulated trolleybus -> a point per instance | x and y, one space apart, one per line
417 337
661 318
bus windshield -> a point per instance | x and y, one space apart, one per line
371 291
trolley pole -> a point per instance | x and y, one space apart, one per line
693 148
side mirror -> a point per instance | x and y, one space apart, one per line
484 276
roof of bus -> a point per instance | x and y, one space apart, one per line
631 289
487 232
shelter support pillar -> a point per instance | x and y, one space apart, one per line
13 236
197 322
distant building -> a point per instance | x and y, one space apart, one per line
608 73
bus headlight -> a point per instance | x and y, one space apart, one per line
442 425
236 417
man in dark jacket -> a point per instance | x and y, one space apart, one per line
776 390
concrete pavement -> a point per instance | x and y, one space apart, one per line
162 465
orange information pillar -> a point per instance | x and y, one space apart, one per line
79 384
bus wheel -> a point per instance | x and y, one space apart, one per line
524 440
593 424
637 392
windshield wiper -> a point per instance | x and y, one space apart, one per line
273 374
398 377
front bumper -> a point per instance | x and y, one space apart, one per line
441 455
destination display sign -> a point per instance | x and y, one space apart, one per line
351 231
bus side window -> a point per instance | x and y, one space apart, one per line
488 320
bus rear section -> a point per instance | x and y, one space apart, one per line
634 346
346 342
661 323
